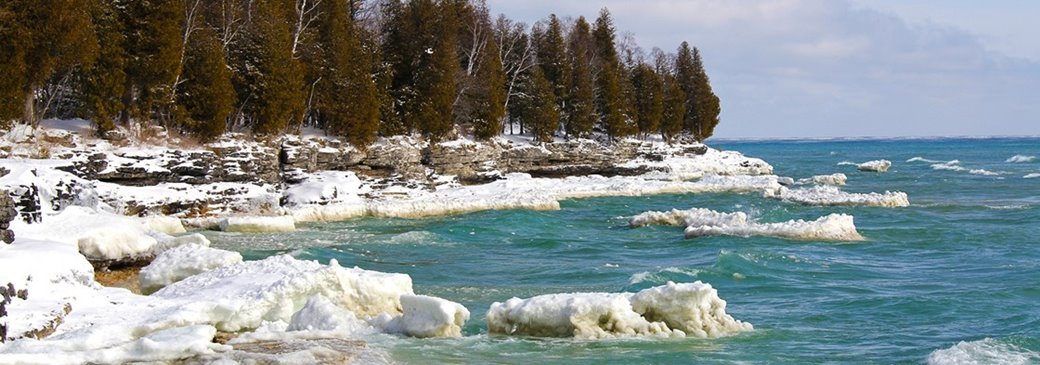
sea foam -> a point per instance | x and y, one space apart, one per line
705 222
984 351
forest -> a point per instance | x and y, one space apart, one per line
352 68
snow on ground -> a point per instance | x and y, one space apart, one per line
680 166
705 222
832 196
671 310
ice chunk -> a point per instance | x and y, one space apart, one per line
114 242
319 314
875 166
832 179
164 224
183 261
832 196
705 222
672 310
282 223
426 316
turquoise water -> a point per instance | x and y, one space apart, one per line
961 264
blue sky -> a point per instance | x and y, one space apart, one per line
829 68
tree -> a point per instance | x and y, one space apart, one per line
539 109
154 44
42 40
347 98
702 106
673 111
269 79
552 57
104 83
206 93
611 97
580 100
490 95
649 106
517 53
435 80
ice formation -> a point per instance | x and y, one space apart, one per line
425 316
705 222
183 261
875 166
320 314
671 310
284 223
984 351
832 196
832 179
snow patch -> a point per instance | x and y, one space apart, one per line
671 310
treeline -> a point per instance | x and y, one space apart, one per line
357 69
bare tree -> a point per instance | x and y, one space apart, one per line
516 51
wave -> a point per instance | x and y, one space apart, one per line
1020 159
983 172
952 165
847 163
922 159
701 222
661 275
1032 176
984 351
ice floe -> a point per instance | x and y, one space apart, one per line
180 262
984 351
273 224
832 196
705 222
671 310
837 179
875 166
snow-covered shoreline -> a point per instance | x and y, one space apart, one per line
75 221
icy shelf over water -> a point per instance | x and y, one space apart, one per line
832 196
671 310
705 222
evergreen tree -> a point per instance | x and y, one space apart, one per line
396 76
104 83
686 75
348 99
153 31
539 109
611 97
269 79
490 95
650 103
432 108
42 40
580 100
706 103
673 112
552 57
206 93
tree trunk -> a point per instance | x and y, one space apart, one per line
28 114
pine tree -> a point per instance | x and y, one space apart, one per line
104 83
706 103
269 79
552 57
348 99
611 97
435 75
13 43
206 92
490 95
540 113
48 39
673 112
153 45
580 100
396 75
686 75
650 103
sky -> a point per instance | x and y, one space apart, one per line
845 68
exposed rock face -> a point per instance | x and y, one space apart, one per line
472 162
7 214
397 155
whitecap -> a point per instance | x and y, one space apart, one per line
953 165
984 351
983 172
847 163
922 159
1020 159
1032 176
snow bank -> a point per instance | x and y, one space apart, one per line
713 162
832 196
98 235
875 166
327 187
283 223
672 310
985 351
426 316
183 261
705 222
832 179
1020 159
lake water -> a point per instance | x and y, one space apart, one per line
956 276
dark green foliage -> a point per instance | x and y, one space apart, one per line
580 100
539 110
269 79
649 100
13 42
206 92
431 109
347 96
611 100
673 111
153 45
104 83
552 57
489 95
702 105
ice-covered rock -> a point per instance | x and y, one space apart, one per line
672 310
875 166
705 222
832 196
183 261
284 223
426 316
832 179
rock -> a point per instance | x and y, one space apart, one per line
116 136
7 214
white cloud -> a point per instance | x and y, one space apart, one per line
789 68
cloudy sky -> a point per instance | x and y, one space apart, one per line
828 68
